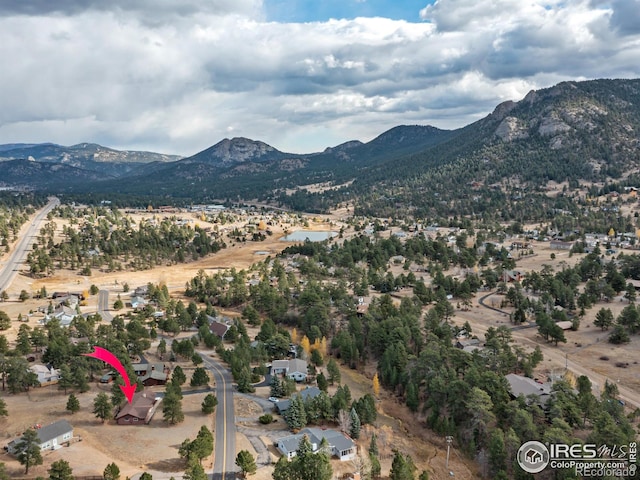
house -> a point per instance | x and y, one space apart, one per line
519 385
47 375
218 326
308 393
151 373
340 445
467 342
63 314
139 411
50 436
138 302
560 245
295 369
565 324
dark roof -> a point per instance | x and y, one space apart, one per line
217 328
54 430
139 407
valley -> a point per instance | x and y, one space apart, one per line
586 351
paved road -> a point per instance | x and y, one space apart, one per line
224 466
103 305
10 269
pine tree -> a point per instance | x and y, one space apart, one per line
3 408
178 376
73 404
354 431
209 404
199 377
334 372
295 415
60 470
28 450
111 472
102 406
172 408
246 463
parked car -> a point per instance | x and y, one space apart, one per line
273 399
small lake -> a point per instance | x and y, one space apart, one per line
312 236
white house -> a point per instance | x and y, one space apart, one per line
50 436
295 369
340 445
47 375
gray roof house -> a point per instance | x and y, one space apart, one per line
340 445
307 393
525 386
295 369
51 436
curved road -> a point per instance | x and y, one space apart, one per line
224 466
19 254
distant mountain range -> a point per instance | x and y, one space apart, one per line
574 131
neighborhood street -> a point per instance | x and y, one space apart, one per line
9 270
103 305
224 467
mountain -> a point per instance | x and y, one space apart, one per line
229 152
85 156
574 132
46 176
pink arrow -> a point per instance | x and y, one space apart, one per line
108 357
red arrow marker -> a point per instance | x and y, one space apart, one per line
108 357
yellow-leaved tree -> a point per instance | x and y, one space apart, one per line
376 385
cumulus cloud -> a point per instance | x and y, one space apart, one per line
204 70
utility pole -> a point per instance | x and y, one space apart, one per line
449 439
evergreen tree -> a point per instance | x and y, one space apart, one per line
111 472
194 470
178 376
322 382
172 408
148 476
199 377
60 470
3 408
295 415
246 463
65 380
354 431
402 467
334 372
209 404
28 450
102 407
73 404
3 472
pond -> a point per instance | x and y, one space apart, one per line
312 236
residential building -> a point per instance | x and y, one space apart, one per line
47 375
340 445
50 436
139 411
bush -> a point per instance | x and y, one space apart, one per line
266 419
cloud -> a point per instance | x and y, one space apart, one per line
144 10
180 76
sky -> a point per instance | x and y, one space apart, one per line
177 76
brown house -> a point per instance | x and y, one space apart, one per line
139 411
